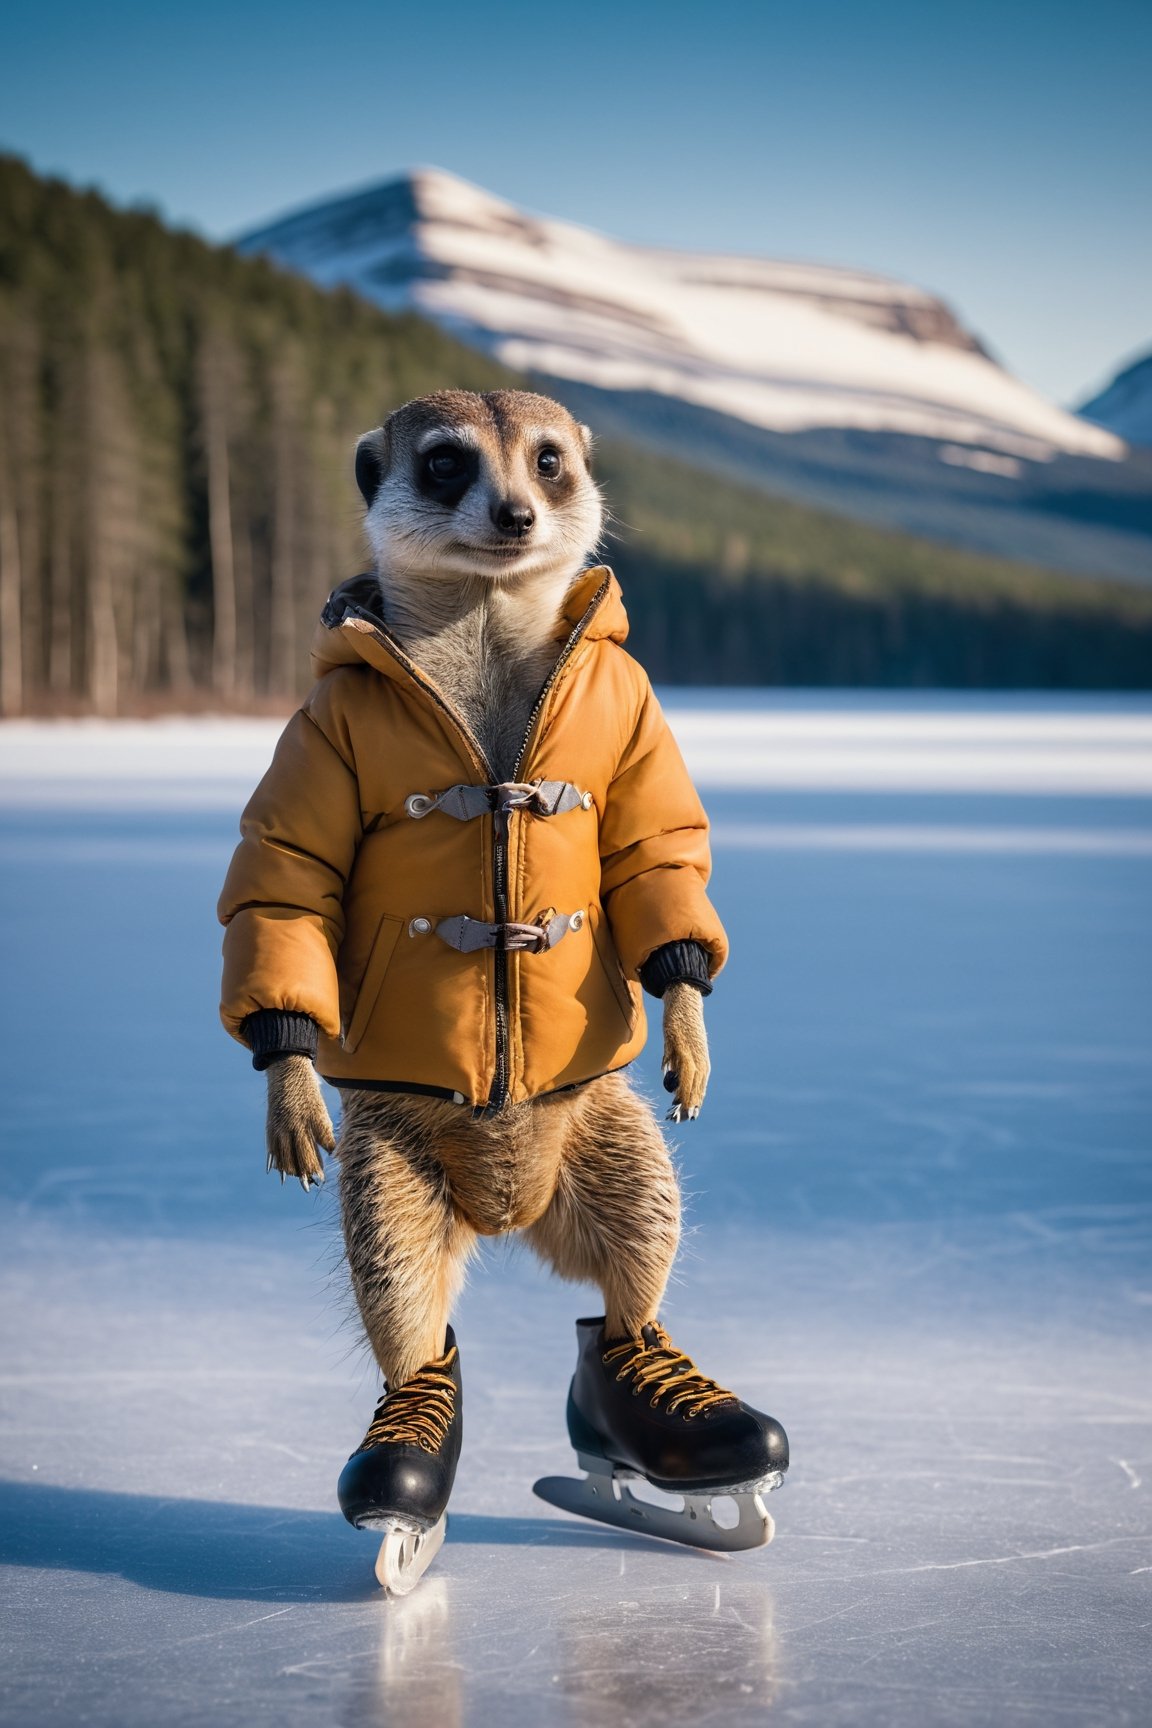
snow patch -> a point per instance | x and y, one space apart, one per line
214 763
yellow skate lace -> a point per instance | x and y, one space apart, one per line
419 1413
667 1373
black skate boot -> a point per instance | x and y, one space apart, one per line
400 1476
640 1407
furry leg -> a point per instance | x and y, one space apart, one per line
407 1245
614 1219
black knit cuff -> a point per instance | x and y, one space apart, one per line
676 963
273 1032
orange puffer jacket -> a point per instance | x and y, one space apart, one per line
343 900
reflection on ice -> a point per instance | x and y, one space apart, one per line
415 1676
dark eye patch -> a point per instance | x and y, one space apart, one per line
557 477
446 471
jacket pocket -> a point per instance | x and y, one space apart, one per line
383 947
610 961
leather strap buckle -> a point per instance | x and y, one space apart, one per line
470 935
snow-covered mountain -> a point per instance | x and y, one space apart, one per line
1125 406
787 347
849 391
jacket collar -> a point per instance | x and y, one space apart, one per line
351 626
610 620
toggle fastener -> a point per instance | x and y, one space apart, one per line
538 797
469 935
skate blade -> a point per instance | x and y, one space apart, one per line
405 1556
606 1497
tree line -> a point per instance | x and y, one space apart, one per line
176 500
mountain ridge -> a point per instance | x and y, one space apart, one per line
1124 406
841 388
783 344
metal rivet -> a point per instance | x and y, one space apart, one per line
576 922
418 804
419 927
586 801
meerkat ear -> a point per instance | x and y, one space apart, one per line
586 441
372 462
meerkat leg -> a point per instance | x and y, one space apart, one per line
614 1219
407 1245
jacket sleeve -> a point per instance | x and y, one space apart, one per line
282 903
654 855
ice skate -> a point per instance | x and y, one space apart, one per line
400 1477
638 1407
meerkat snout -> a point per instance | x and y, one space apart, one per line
513 518
496 486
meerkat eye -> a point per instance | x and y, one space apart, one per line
445 462
548 462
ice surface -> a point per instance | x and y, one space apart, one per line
921 1210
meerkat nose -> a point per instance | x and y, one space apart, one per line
512 518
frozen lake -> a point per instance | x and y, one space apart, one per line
921 1206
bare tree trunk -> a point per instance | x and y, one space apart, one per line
282 668
223 567
147 629
112 507
177 658
214 369
11 647
27 470
102 681
61 594
245 620
16 410
65 502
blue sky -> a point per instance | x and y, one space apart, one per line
999 154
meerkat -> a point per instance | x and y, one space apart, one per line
483 517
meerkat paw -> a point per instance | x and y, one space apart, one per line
298 1121
686 1062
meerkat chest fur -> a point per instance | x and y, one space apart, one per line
482 512
490 655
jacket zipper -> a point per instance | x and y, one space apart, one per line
499 1093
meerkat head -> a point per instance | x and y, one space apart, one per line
496 486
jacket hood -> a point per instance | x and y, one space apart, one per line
346 631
